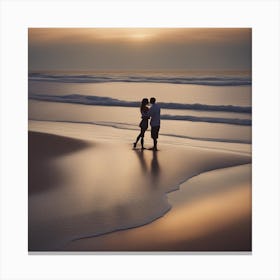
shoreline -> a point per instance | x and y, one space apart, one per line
156 174
234 236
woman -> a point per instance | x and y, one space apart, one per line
144 109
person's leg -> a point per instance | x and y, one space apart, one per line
141 135
153 137
137 139
154 133
142 143
142 138
155 145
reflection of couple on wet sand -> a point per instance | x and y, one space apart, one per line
147 113
154 171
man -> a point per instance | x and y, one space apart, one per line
154 113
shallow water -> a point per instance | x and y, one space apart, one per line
210 212
128 119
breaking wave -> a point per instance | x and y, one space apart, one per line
108 101
207 119
220 80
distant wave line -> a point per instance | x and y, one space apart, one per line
197 80
134 127
208 119
108 101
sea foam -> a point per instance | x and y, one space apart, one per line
209 80
108 101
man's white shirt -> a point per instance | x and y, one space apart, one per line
154 113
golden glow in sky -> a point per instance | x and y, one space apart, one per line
140 36
187 35
139 48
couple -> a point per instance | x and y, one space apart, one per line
146 113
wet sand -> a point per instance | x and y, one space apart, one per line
219 220
101 195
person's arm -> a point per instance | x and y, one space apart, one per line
150 112
145 114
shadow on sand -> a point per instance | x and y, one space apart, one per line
42 148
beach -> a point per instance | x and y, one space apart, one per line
89 190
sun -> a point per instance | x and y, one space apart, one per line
141 37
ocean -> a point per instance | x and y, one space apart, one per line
190 100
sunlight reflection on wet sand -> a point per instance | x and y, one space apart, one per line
108 186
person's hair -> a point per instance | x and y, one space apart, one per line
153 100
144 102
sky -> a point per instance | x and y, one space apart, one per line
94 49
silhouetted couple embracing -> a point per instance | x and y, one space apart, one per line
147 113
